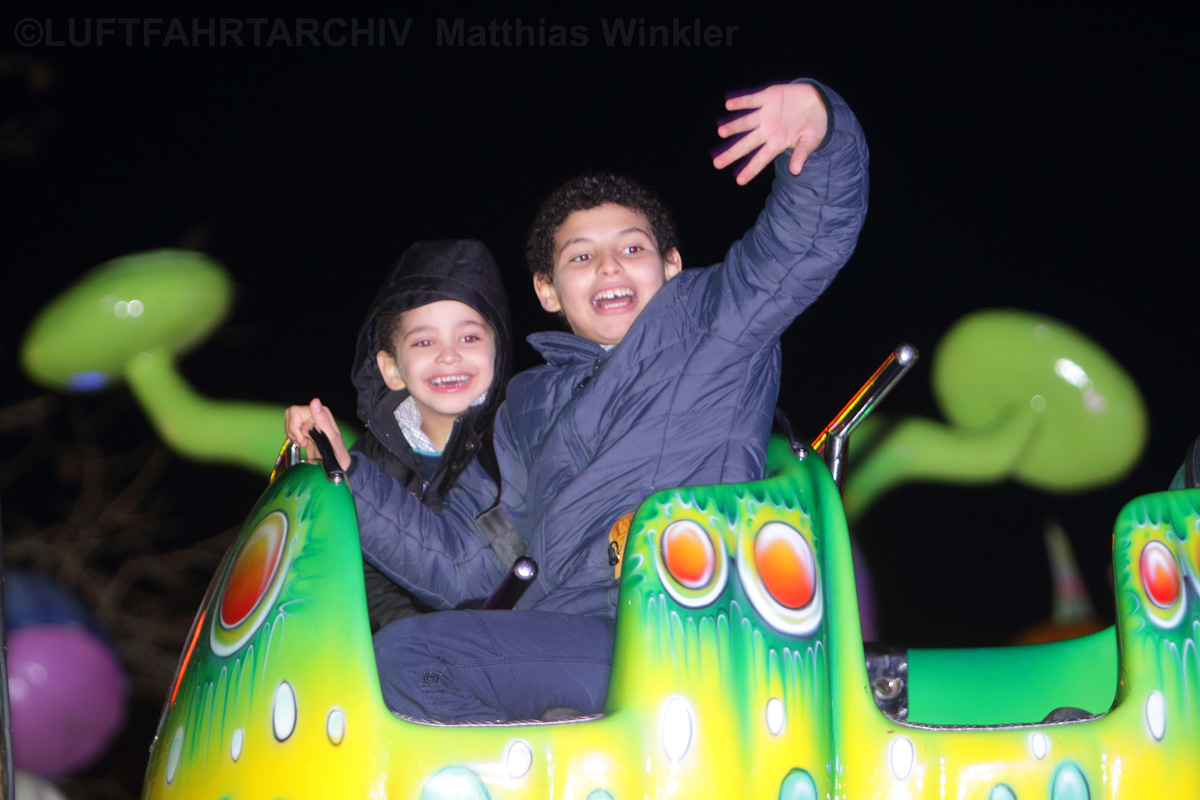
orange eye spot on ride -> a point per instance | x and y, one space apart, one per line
688 554
252 572
785 564
1160 575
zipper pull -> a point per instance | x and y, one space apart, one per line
587 380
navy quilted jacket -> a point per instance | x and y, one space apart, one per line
688 396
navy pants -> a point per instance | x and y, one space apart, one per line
463 666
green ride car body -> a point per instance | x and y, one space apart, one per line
739 671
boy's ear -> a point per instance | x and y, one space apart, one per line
672 263
390 370
544 286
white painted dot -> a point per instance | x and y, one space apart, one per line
519 759
775 716
335 725
1039 745
1037 403
135 308
677 728
903 754
121 309
235 744
1156 715
283 714
174 754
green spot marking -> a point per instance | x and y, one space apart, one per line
455 783
1069 783
798 785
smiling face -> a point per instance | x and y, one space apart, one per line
444 354
607 266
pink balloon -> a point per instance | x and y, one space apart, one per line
68 698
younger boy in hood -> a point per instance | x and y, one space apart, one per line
430 366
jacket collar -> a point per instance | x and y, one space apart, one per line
562 349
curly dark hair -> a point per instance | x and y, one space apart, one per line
585 192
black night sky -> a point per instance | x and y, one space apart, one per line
1035 159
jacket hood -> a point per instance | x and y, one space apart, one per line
455 269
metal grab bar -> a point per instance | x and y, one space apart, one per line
833 442
289 456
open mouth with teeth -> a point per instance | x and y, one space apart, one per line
618 298
449 383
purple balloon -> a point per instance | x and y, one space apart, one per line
68 698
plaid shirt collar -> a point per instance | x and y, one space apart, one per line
408 417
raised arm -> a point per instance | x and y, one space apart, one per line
812 219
